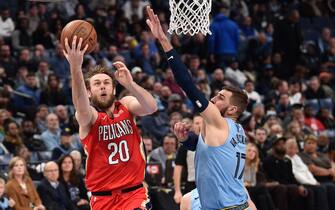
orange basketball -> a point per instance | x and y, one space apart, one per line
81 29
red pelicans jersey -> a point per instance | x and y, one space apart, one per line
115 155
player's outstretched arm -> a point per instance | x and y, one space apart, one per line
143 103
208 111
156 30
84 112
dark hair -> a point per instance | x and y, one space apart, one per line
7 123
30 74
249 81
98 70
261 129
74 174
196 115
145 136
170 135
238 98
193 57
42 106
25 120
284 94
144 44
18 149
53 75
43 61
77 7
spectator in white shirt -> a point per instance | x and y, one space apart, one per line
300 169
305 177
252 94
134 7
6 23
233 73
295 94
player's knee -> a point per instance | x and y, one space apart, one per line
185 203
252 205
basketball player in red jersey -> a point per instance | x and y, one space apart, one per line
115 164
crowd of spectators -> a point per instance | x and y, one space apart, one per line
281 52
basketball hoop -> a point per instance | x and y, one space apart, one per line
190 16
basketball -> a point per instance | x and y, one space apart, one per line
81 29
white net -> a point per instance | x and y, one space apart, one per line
190 16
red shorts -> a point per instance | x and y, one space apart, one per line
134 200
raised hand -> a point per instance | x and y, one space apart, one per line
82 202
122 74
11 202
181 131
73 54
154 24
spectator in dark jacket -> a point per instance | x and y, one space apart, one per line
287 39
7 61
59 64
27 103
29 137
157 125
74 183
65 146
53 95
21 37
43 36
279 168
53 193
262 142
314 90
12 138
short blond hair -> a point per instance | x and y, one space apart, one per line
2 181
310 137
